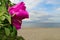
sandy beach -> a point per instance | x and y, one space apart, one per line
40 33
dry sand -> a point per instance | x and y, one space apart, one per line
40 33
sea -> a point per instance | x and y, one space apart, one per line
42 25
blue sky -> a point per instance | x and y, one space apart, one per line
42 11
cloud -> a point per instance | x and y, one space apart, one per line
44 10
53 1
34 15
32 3
57 9
29 3
37 16
55 17
15 1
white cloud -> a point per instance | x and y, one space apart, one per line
32 3
29 3
34 15
52 1
56 12
54 19
37 15
58 9
15 1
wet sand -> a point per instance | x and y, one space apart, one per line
40 33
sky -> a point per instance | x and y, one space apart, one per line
41 11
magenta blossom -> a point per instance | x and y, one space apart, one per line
18 13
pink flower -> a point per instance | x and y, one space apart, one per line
18 13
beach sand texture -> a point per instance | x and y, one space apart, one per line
40 33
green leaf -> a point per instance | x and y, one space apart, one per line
11 28
4 38
1 13
2 18
15 31
13 34
8 17
7 31
2 6
1 25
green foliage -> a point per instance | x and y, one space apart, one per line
7 31
8 18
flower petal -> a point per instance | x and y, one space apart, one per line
18 13
16 23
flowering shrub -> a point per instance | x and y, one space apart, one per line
11 16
